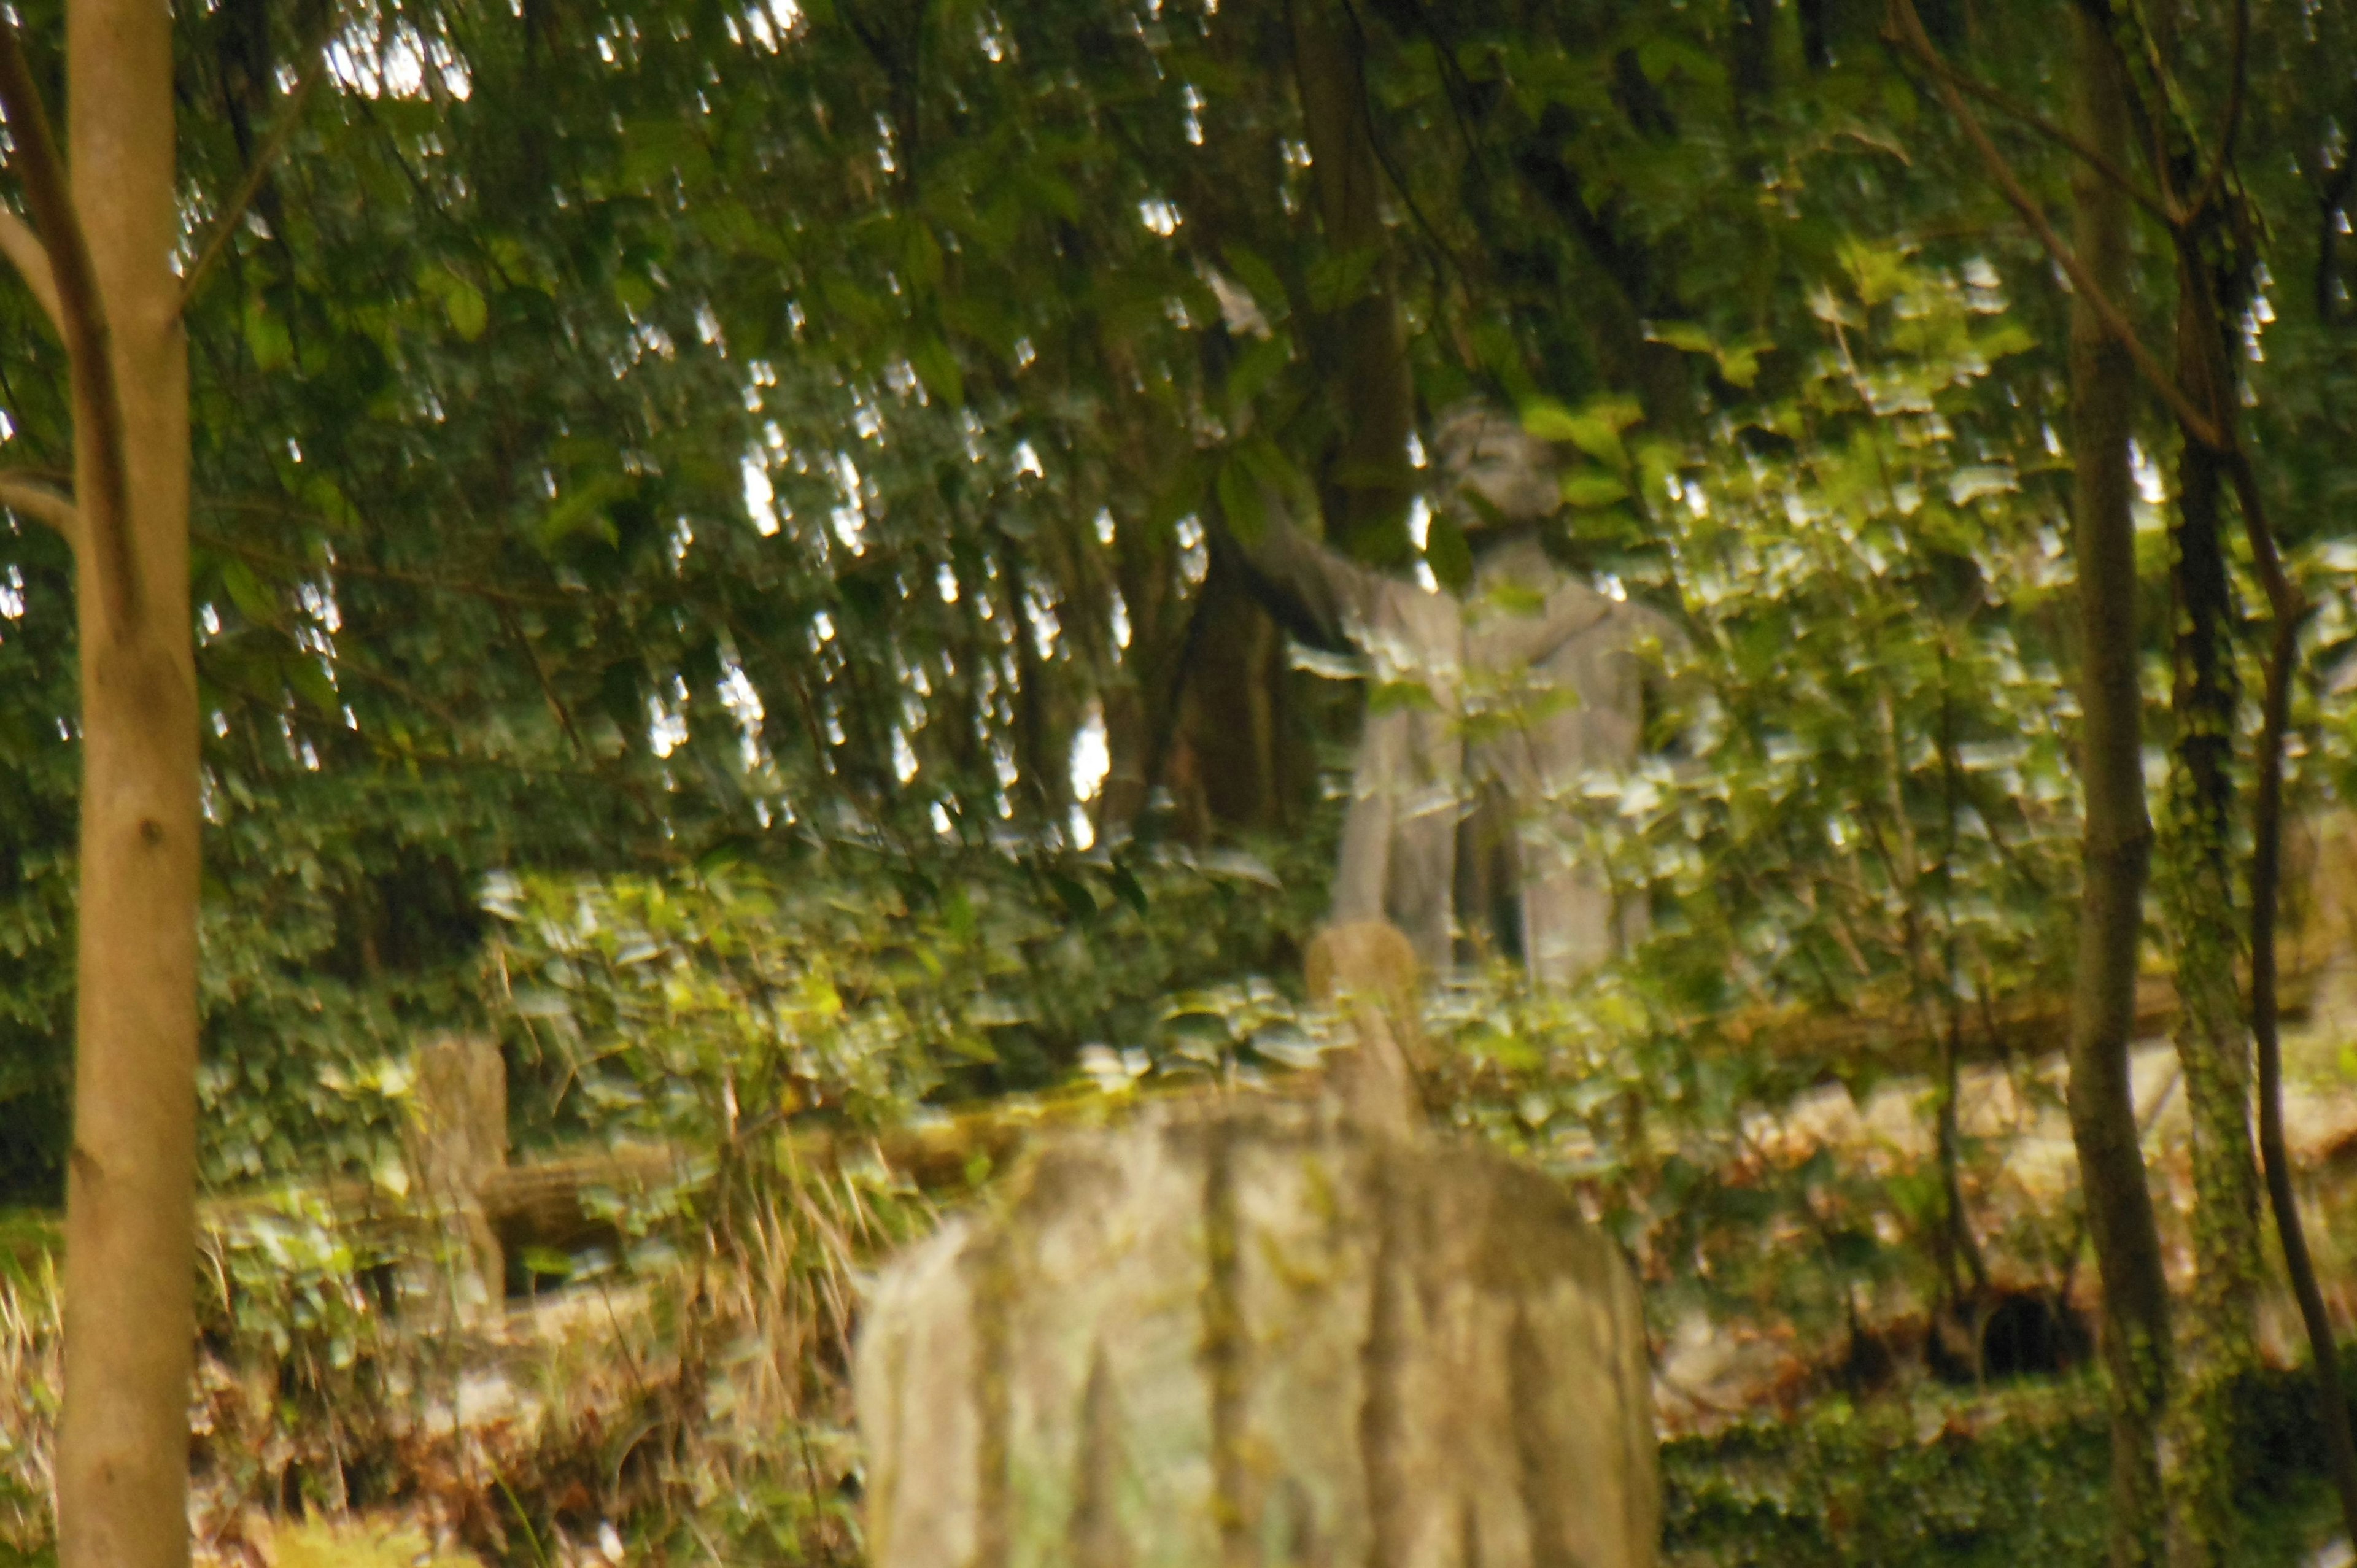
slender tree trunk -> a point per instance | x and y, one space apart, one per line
2118 835
2267 879
122 1467
2213 1039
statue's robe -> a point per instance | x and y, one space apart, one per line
1486 717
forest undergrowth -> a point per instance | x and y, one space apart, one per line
674 1390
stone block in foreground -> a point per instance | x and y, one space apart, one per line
1249 1336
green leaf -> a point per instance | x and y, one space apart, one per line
1240 502
1260 279
632 292
2003 340
1448 554
580 508
1665 54
1594 429
921 256
936 365
1255 368
468 314
1336 280
546 1262
266 336
1548 420
1076 897
1390 696
1683 335
254 602
1127 888
307 675
1587 489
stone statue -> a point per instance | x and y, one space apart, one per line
1528 685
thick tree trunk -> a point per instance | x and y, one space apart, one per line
1365 487
2213 1039
2118 836
129 1328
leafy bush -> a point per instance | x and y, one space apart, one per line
713 1005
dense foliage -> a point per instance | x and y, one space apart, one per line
712 556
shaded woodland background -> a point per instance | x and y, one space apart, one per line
714 571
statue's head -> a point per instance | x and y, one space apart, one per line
1482 452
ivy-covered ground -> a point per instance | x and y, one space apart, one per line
675 1395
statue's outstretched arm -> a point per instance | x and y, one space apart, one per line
1313 592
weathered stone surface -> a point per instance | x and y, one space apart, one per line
1370 968
1251 1336
456 1139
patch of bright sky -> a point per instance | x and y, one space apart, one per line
1091 761
772 24
1041 612
319 602
2256 321
850 519
397 63
761 497
1091 756
1419 531
666 728
1194 561
1120 620
1027 461
12 594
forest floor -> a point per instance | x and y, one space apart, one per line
2019 1175
694 1417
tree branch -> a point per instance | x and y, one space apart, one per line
43 502
290 115
82 321
25 251
2230 121
2284 602
2060 137
260 557
1907 30
514 628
